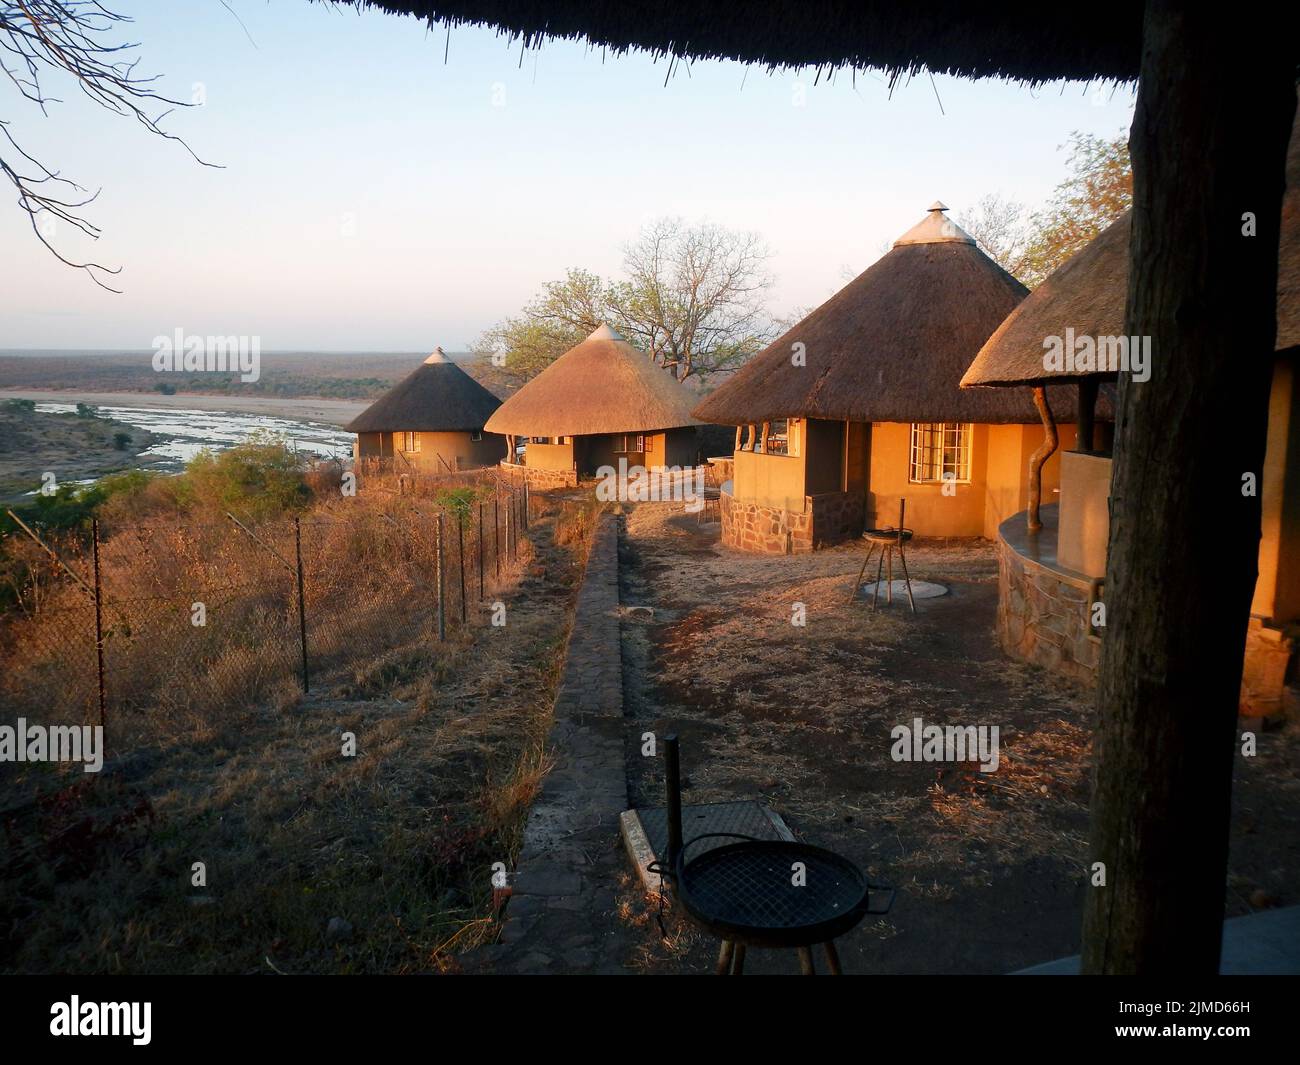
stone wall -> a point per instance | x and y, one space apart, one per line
764 530
1264 671
837 516
1043 616
543 478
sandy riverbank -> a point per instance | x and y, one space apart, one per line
328 411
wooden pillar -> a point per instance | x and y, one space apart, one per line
1039 457
1208 145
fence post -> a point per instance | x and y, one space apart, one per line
460 561
482 542
302 601
526 517
442 585
99 621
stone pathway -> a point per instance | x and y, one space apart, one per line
561 915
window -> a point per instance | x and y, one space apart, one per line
778 438
940 452
476 436
539 439
410 442
629 443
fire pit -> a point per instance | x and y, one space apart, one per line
764 893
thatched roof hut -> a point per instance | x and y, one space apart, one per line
1087 294
890 346
603 385
436 397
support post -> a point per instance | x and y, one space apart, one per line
99 624
460 563
1039 458
442 584
673 786
482 544
1208 145
302 602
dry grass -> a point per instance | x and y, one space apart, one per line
397 841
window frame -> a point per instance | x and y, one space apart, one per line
934 467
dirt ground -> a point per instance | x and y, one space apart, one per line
990 867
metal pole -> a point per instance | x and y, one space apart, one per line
525 504
673 783
460 560
302 601
99 621
442 586
482 541
496 531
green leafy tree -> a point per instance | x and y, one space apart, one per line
690 297
1097 190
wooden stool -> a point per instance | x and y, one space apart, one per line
889 541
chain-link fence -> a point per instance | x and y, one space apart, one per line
185 617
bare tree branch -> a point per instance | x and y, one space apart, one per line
38 37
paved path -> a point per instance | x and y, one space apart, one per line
561 915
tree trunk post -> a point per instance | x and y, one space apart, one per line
1208 146
1039 457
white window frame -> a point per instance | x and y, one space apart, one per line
940 452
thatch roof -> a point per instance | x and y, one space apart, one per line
436 397
1087 294
891 345
1017 39
603 385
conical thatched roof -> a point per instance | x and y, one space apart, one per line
891 345
436 397
1087 293
603 385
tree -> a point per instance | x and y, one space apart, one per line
690 298
565 312
1097 191
1001 229
40 37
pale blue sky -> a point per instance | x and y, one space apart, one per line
375 198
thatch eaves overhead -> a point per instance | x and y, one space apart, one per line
890 346
436 397
1087 294
1015 39
603 385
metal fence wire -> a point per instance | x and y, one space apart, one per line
170 616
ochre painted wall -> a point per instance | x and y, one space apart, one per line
878 463
1277 590
550 456
458 450
998 487
769 480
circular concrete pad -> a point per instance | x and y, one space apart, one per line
920 590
